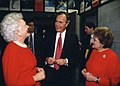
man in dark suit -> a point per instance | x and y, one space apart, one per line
3 44
68 58
88 38
86 46
34 41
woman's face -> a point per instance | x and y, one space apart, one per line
23 28
96 43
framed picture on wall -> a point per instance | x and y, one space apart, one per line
95 3
14 5
88 4
4 4
103 1
73 6
61 5
50 5
39 4
27 5
82 6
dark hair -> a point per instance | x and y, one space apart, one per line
105 36
65 13
90 24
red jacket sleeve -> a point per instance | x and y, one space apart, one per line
113 68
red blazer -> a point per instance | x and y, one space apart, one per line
105 65
19 66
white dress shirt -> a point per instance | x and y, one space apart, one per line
63 38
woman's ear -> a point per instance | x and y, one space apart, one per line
17 32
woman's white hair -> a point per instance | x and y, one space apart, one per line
9 24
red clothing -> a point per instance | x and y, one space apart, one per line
105 65
19 66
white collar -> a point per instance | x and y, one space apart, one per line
63 33
20 44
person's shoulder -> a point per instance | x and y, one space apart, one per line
71 33
112 54
10 47
10 44
111 51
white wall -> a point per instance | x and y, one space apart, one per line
109 15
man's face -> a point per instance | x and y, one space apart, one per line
88 30
31 27
61 23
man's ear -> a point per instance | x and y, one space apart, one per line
92 28
67 23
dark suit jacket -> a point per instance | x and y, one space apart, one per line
86 45
70 51
3 44
37 45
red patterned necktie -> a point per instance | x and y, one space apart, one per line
58 51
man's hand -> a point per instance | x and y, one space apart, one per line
50 60
61 61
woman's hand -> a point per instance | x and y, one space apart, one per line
88 75
40 75
40 70
84 72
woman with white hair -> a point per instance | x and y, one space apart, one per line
19 63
